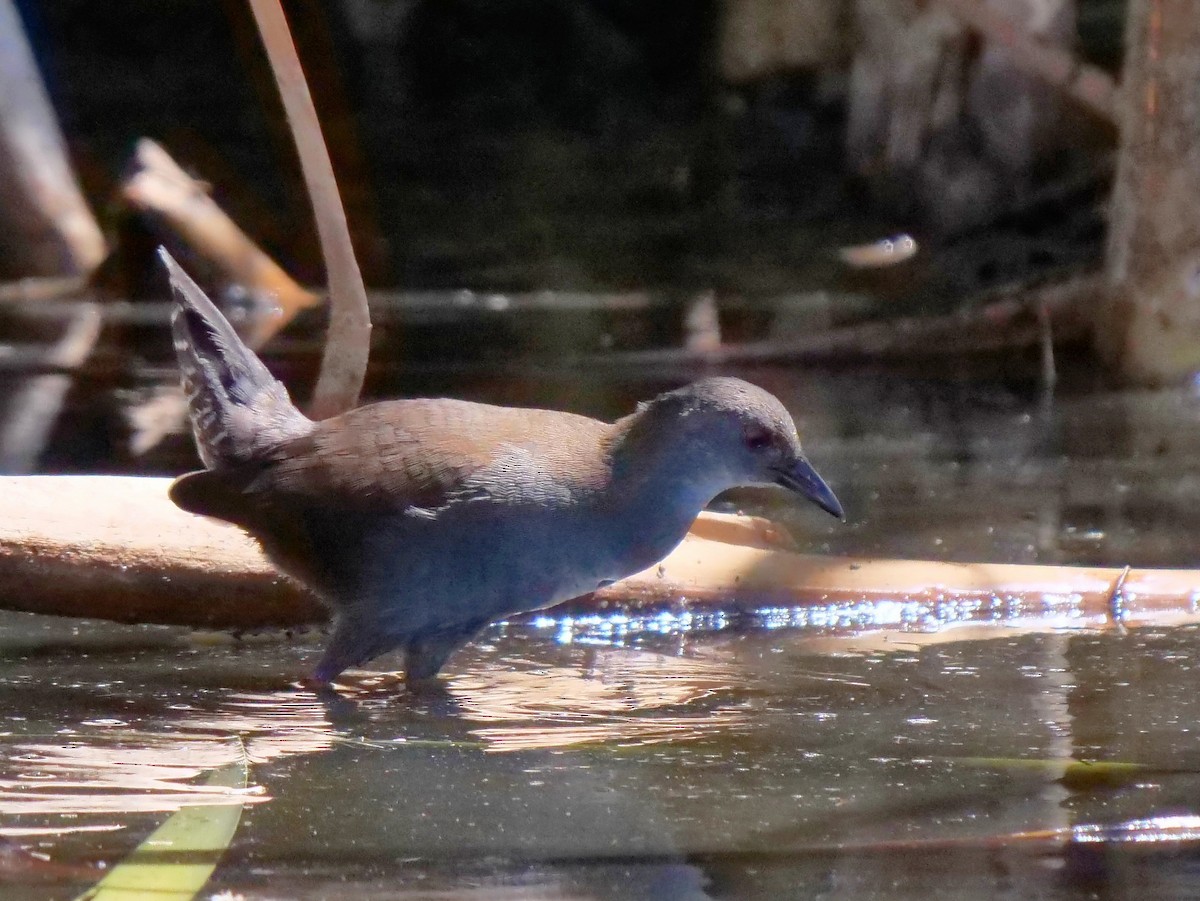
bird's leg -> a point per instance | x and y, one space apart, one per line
354 641
428 653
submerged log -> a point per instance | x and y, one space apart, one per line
116 548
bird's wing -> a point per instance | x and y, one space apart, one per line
418 456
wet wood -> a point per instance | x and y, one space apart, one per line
46 227
1149 327
116 548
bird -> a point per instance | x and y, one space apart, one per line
418 522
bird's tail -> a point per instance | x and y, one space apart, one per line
238 410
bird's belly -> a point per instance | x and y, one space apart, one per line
425 574
600 557
528 565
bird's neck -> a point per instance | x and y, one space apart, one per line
656 492
649 461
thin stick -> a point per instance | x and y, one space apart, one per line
344 365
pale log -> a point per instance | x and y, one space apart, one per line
116 548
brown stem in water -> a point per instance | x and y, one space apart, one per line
347 347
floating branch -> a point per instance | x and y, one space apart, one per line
42 288
1013 318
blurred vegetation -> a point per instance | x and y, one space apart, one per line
525 145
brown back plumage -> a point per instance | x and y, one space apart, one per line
404 454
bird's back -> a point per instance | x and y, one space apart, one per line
419 454
430 453
401 479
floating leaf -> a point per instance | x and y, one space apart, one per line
177 859
1072 773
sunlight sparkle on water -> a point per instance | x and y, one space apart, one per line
839 616
1183 828
615 627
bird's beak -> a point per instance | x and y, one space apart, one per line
803 479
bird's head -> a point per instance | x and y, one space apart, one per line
721 433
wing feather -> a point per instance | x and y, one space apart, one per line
411 455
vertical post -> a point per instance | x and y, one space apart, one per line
1148 326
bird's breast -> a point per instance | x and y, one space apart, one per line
481 560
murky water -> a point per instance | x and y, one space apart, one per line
687 764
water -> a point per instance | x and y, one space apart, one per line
725 766
719 762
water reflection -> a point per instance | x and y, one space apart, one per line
938 468
618 696
126 773
106 765
732 764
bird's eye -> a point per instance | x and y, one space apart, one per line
757 440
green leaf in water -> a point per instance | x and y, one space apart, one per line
1077 774
177 859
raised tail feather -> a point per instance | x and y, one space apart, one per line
238 410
